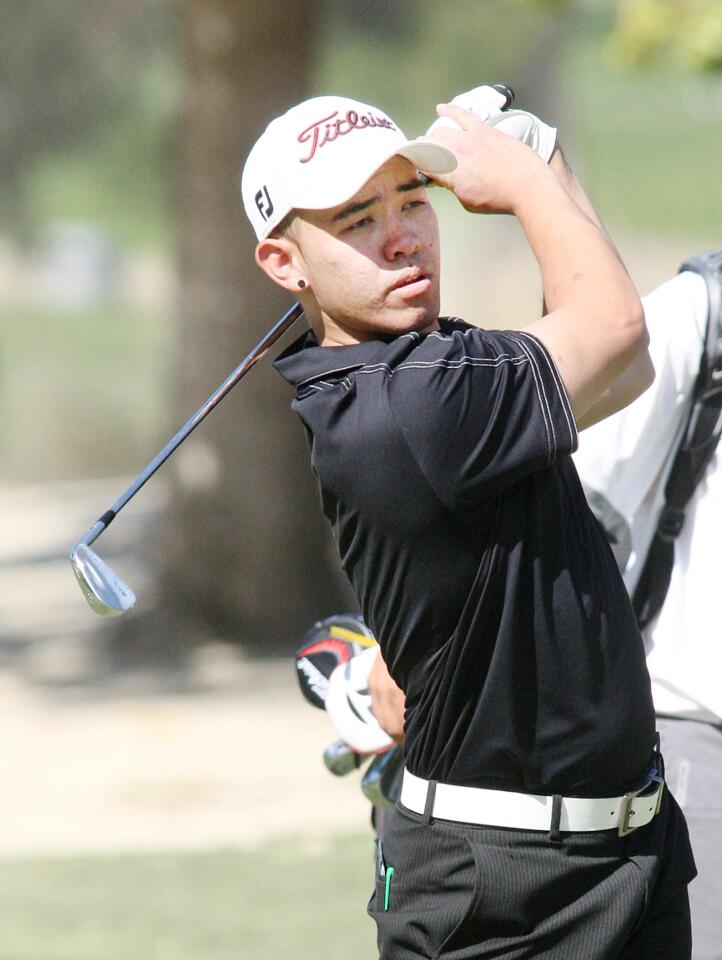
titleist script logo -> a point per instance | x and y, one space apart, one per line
331 127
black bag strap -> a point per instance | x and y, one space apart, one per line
695 450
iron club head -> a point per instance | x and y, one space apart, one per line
340 759
381 784
104 590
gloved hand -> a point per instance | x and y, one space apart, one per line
348 705
488 103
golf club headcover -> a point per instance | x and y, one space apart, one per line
489 104
348 705
328 644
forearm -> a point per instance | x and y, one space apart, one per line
565 175
638 375
558 163
595 321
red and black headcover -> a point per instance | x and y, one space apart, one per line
327 644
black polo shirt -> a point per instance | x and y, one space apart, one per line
444 468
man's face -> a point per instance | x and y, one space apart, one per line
373 261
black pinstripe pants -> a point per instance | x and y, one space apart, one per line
455 891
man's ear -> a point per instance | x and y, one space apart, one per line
281 260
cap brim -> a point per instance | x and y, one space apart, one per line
429 157
426 156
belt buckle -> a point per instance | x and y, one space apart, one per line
625 815
655 776
660 791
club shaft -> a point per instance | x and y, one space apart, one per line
276 331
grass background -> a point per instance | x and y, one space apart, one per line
288 900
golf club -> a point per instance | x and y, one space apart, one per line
340 759
381 784
104 590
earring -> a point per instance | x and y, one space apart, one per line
301 284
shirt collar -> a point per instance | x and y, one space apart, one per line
305 360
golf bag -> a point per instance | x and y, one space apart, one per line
695 450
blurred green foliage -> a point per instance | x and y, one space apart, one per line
441 50
92 106
88 84
70 379
103 146
686 31
291 899
122 177
647 143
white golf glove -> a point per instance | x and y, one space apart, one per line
348 705
487 103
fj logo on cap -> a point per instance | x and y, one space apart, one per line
264 203
318 136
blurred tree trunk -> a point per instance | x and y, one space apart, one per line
537 77
247 553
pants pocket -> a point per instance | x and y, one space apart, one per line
420 906
456 936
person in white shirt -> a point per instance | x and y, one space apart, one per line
623 463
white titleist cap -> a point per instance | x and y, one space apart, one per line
321 153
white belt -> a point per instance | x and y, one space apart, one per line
525 811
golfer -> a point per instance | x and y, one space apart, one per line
533 819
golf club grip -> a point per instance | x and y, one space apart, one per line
506 91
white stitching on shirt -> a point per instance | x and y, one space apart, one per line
325 373
440 335
542 385
448 364
543 402
422 365
561 389
413 335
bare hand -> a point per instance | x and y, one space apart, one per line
494 170
387 700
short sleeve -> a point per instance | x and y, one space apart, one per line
479 410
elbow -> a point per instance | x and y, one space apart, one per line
636 355
648 373
633 334
642 333
639 374
643 360
637 323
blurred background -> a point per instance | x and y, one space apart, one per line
162 789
